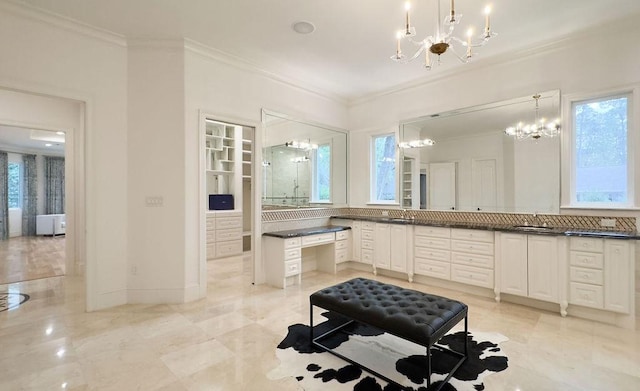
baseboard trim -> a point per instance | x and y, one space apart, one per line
156 296
192 293
108 300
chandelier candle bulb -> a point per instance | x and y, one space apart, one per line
469 34
452 19
487 22
407 6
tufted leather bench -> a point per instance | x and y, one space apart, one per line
415 316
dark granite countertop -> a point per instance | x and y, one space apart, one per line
555 231
292 233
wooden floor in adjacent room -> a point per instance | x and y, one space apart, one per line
27 258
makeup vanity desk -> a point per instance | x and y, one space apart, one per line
282 252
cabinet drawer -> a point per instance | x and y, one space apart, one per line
472 247
592 260
588 276
431 242
211 222
228 222
291 243
340 244
472 234
368 244
342 235
586 244
228 234
368 225
292 253
367 256
472 275
211 236
472 259
427 267
225 249
428 253
586 295
342 255
292 267
312 240
438 232
368 235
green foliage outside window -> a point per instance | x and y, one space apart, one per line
601 150
14 185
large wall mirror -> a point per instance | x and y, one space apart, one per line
475 166
304 164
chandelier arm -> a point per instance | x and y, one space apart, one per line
417 53
462 59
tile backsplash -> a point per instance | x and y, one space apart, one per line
622 224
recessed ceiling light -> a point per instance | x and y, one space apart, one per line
48 145
303 27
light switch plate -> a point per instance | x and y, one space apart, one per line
608 223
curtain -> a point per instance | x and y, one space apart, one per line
29 195
53 185
4 196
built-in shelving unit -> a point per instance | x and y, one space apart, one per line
228 156
407 182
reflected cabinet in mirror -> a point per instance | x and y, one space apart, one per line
475 164
304 164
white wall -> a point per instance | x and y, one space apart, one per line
235 92
48 56
155 158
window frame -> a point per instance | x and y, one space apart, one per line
569 150
373 170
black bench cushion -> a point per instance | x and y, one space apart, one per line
409 314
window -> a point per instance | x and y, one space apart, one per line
383 169
15 193
322 174
601 153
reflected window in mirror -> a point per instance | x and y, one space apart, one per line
304 164
601 152
383 168
321 190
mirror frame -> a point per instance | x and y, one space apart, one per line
321 205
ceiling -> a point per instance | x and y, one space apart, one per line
15 139
348 54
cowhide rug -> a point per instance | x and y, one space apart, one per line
398 359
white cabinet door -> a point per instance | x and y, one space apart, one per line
616 275
442 186
382 246
399 250
513 268
356 230
543 267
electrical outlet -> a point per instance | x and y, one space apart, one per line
134 270
608 223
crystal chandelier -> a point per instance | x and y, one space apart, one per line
535 130
443 39
416 143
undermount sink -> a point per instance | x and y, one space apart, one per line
535 228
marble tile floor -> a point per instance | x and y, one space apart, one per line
227 341
26 258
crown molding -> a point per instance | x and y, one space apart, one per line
507 58
151 43
33 13
238 62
